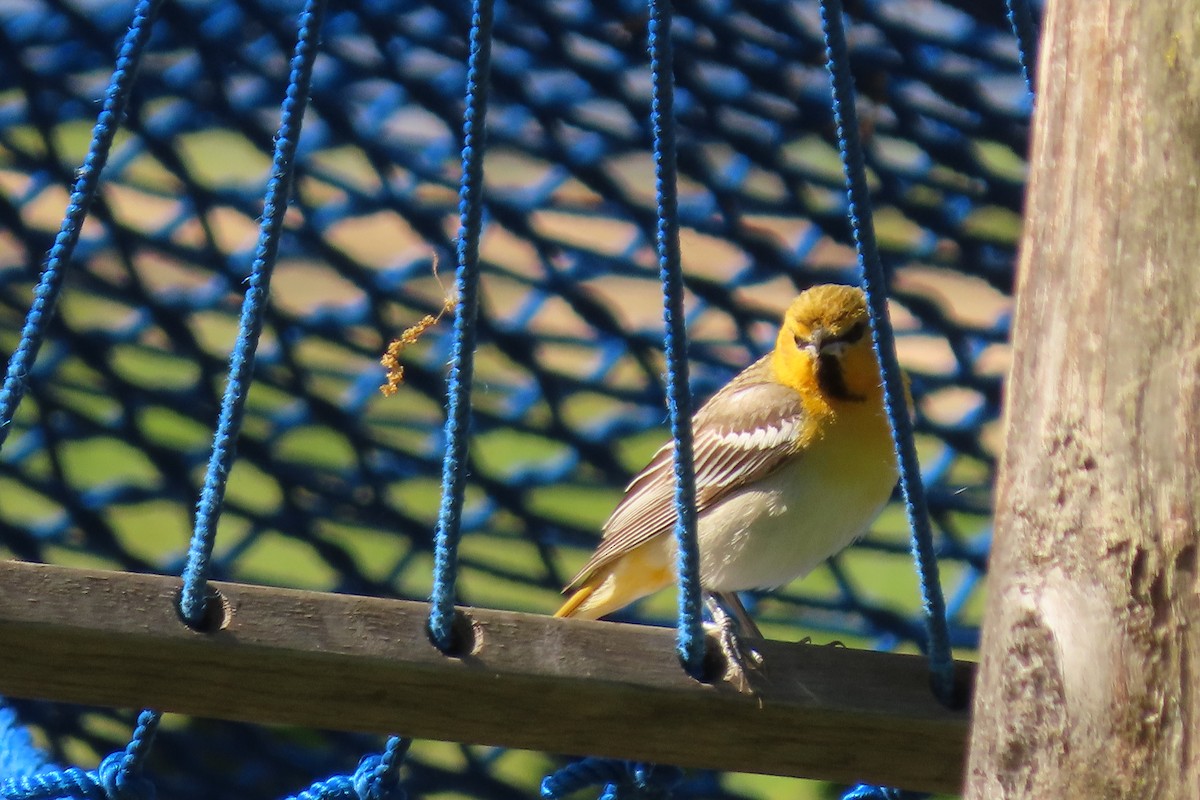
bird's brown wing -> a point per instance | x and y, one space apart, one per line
746 431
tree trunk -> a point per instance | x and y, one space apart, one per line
1090 681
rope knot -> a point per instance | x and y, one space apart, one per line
121 783
623 780
374 780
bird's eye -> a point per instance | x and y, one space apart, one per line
801 340
855 333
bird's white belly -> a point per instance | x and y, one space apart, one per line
786 524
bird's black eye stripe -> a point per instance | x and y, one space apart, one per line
855 333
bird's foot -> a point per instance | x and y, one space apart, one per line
739 657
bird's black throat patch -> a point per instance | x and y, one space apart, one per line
831 380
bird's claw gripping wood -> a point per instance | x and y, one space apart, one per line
732 635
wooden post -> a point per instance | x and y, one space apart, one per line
1090 680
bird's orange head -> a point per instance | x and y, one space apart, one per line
824 346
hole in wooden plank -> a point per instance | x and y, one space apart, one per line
217 612
963 689
466 638
716 665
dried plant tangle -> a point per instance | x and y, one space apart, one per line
410 336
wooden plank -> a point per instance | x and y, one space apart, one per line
568 686
1091 640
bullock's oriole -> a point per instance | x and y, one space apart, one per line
793 460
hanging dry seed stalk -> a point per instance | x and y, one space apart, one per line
391 358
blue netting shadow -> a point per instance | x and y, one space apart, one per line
335 487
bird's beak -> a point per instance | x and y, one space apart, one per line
816 341
823 343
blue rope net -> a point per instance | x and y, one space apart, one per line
336 487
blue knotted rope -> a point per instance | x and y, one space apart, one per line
679 399
626 780
378 776
462 352
119 776
123 777
874 280
83 193
19 756
241 363
1020 16
72 782
339 787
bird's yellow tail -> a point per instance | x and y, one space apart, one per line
576 600
642 571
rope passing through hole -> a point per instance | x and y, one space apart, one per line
462 349
690 642
193 599
875 285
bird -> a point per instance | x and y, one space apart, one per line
793 461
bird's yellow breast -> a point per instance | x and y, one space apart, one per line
783 526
